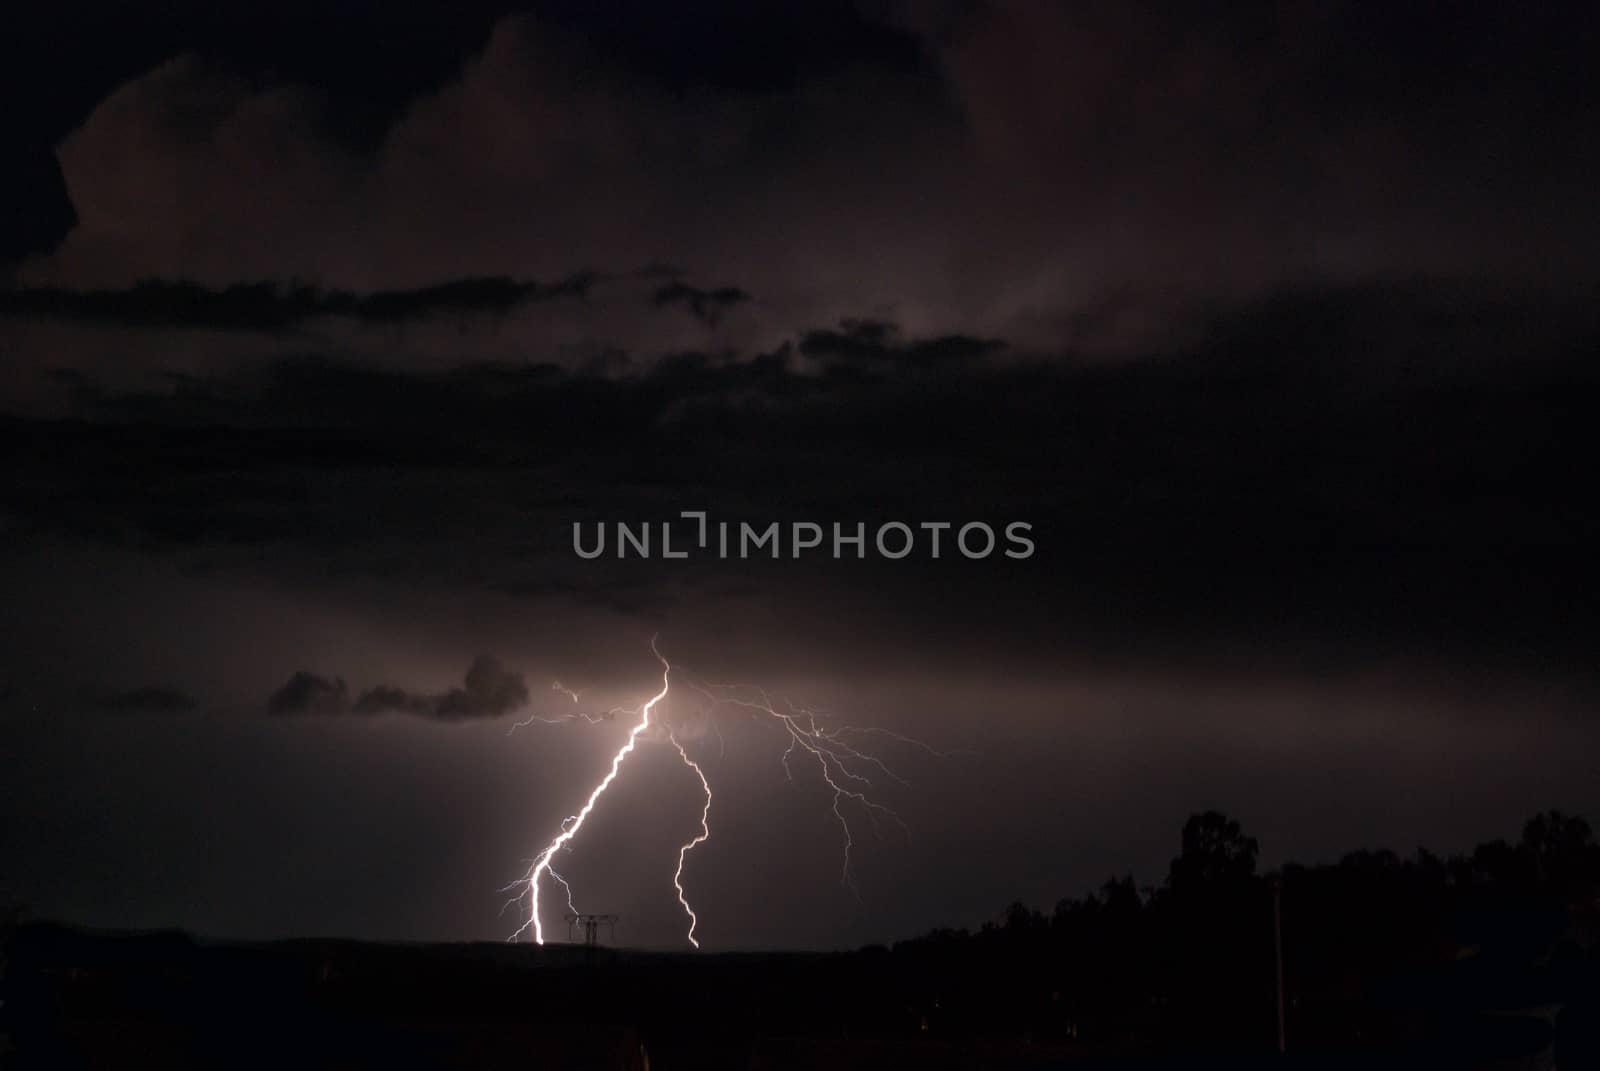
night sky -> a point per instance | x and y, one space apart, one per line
321 325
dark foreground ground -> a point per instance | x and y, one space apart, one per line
81 999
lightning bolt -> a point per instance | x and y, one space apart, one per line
588 716
570 827
832 755
840 763
698 839
521 887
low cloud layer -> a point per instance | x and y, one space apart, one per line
1313 449
489 691
705 305
270 307
308 693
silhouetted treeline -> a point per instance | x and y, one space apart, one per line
1490 951
1484 960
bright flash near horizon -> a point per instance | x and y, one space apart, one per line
807 732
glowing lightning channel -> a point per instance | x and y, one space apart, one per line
588 716
829 747
873 730
699 838
832 754
569 828
572 907
519 885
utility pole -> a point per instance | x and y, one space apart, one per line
591 927
1277 947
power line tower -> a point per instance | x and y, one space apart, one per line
591 928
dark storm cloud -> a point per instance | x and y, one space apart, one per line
490 690
308 693
63 72
150 699
705 305
1334 133
267 306
1311 449
977 171
35 211
385 699
876 343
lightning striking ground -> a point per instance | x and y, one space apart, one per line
699 838
569 828
839 763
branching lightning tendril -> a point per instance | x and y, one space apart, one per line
839 762
699 838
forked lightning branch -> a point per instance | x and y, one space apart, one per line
811 741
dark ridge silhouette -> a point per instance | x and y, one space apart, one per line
1487 959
